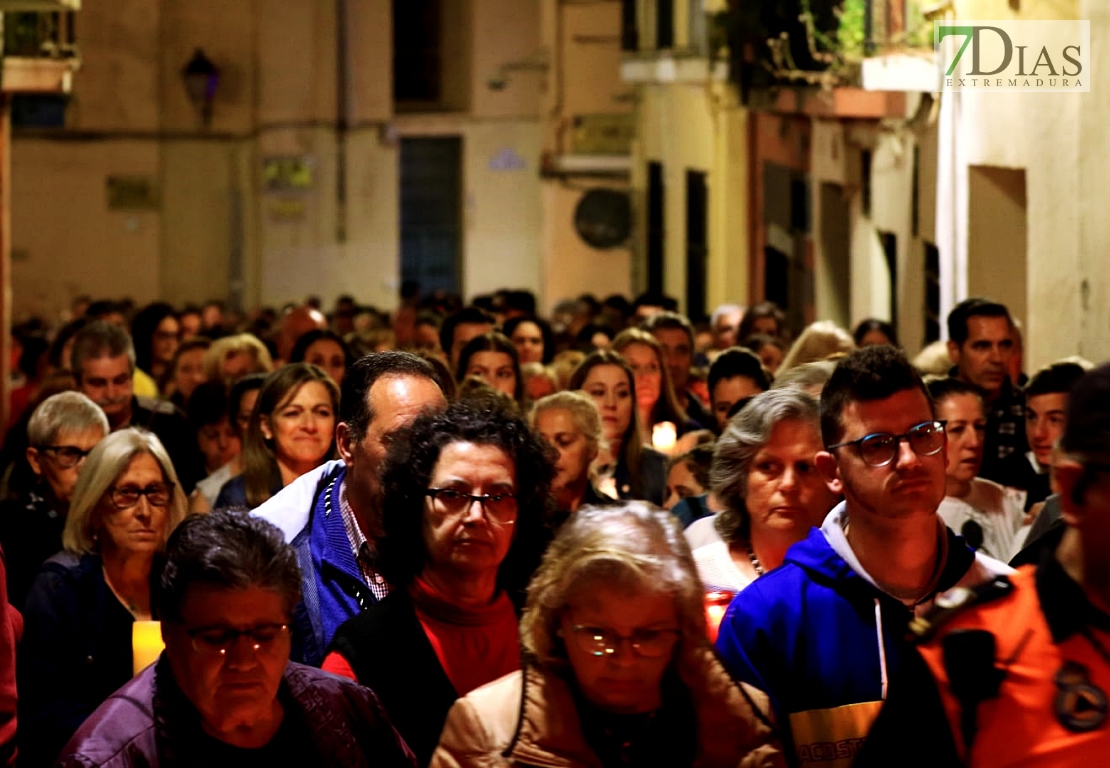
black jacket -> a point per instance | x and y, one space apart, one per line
390 654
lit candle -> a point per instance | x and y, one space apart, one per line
146 644
716 603
663 437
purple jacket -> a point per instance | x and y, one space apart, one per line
149 723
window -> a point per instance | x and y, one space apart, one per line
697 244
417 63
630 33
656 210
664 24
932 293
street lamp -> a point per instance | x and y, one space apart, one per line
202 78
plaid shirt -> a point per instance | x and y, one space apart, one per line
365 554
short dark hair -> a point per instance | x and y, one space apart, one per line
865 375
250 382
100 339
654 299
492 342
510 326
307 339
699 460
737 361
227 550
466 315
408 468
969 308
667 320
758 341
874 324
354 405
762 309
943 387
1059 376
209 404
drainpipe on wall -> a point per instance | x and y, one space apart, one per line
342 110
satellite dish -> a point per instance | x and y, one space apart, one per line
603 218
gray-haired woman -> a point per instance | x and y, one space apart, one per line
617 669
76 647
764 475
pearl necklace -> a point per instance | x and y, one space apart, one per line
756 565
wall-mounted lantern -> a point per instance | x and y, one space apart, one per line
202 78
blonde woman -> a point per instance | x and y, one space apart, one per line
233 357
616 668
76 647
819 341
571 424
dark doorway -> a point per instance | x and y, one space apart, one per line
431 212
932 293
664 24
697 244
656 209
889 241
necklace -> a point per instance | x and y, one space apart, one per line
756 565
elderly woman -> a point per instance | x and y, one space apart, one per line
763 474
61 432
617 668
571 424
987 515
76 645
493 358
465 502
634 470
224 691
655 394
291 431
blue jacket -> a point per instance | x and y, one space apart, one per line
332 589
817 633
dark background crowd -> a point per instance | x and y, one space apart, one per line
437 483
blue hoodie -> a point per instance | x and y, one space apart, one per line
818 635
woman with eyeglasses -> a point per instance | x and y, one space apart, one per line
76 647
466 495
617 669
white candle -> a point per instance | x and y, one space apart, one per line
663 436
146 644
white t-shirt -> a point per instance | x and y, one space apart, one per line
702 532
1002 534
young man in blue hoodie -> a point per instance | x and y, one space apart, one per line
822 633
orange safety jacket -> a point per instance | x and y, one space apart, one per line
1051 706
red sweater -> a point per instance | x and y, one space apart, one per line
474 647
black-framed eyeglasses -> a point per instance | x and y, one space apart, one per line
500 507
648 643
217 641
880 448
67 456
127 496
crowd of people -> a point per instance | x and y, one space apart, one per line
472 535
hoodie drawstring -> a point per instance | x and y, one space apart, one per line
882 648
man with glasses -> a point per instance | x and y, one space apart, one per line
61 432
224 691
1018 671
821 634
